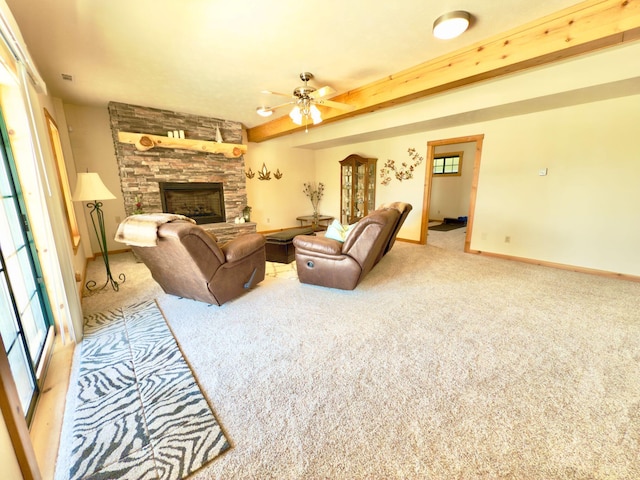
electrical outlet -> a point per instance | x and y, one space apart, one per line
507 239
118 219
268 220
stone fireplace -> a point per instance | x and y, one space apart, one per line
202 201
142 171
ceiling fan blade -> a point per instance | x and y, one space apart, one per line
329 103
281 105
269 92
322 92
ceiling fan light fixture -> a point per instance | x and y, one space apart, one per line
264 111
451 25
316 116
296 115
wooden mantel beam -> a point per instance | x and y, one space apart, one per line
582 28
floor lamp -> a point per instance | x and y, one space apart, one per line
90 189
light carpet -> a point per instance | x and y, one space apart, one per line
137 412
439 365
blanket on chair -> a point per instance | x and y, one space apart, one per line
142 230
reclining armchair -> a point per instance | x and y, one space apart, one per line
331 263
188 262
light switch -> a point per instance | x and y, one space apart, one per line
543 171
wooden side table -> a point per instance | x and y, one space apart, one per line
309 219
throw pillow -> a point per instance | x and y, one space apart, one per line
337 231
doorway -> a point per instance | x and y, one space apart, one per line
472 145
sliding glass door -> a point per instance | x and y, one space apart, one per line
25 316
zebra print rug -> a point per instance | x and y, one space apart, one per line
139 412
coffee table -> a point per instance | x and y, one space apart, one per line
279 246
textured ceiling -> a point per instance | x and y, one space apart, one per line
214 57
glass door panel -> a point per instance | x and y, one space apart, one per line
26 317
22 375
8 326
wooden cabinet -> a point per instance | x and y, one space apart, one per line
357 188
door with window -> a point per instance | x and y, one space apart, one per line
25 315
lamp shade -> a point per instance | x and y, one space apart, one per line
451 25
296 115
89 187
316 116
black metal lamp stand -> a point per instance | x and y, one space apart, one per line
96 211
89 188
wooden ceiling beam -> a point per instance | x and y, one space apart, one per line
582 28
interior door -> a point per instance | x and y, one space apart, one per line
25 315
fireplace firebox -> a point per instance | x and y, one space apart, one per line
202 201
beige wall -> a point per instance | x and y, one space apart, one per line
9 467
93 151
275 204
583 213
565 217
410 190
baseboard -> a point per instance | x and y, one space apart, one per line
406 240
561 266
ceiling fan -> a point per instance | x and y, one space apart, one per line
305 98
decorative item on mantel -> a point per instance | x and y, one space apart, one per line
218 135
250 173
246 213
176 134
277 174
405 172
137 207
315 195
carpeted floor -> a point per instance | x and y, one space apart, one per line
439 365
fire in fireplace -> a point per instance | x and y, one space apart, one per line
202 201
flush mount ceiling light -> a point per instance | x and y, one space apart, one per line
451 25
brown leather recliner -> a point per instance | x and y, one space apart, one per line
404 209
188 262
330 263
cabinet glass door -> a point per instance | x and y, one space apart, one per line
347 176
359 192
371 188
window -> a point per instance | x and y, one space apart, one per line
448 164
56 145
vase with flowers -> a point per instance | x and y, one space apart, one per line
314 193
